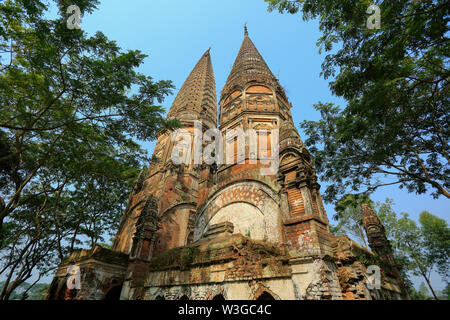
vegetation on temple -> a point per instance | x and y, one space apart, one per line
418 249
348 215
70 107
394 128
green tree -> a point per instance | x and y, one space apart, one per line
348 215
394 128
71 108
418 249
28 292
421 294
447 291
38 291
436 239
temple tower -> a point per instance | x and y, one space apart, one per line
269 190
161 209
380 244
173 178
233 212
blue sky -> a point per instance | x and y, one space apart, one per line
176 33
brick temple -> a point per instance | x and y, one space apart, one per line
229 230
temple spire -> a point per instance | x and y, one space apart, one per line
196 99
249 66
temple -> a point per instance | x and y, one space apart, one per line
250 225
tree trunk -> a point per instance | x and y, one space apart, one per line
424 275
363 238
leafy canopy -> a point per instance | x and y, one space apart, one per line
394 128
71 108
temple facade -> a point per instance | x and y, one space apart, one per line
248 225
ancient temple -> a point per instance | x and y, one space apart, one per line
251 228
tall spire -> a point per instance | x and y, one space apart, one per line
249 66
196 99
379 243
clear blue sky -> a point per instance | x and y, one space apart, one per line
176 33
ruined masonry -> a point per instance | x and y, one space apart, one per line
228 231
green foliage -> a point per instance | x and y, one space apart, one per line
447 291
71 108
418 249
348 215
436 238
421 294
36 292
394 128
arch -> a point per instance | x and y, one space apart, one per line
187 116
263 126
113 294
252 192
290 151
289 157
173 231
291 154
61 292
258 88
184 297
251 225
218 297
265 296
233 95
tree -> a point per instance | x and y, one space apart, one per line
416 249
421 294
394 129
27 292
348 215
447 291
420 250
71 108
436 238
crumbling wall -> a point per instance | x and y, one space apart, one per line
353 277
100 270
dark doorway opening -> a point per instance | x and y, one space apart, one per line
113 294
265 296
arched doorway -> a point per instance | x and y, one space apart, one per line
219 297
185 297
265 296
113 294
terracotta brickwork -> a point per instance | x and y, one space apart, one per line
232 230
